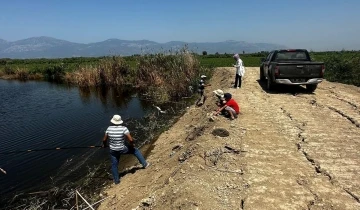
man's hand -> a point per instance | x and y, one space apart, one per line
104 144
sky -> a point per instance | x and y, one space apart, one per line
311 24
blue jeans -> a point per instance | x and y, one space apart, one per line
115 157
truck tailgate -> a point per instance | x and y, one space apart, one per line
300 70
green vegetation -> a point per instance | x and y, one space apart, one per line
161 77
343 66
159 74
223 60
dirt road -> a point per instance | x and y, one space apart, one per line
294 150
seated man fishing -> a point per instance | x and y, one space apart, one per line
231 107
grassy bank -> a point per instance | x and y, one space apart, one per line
160 76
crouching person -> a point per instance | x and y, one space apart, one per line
231 107
220 101
117 135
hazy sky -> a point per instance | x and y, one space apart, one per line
316 24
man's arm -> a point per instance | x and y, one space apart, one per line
220 109
237 65
104 140
130 139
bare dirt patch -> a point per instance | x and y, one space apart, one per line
288 150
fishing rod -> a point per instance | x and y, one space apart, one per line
2 170
47 149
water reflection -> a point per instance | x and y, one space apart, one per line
114 96
85 94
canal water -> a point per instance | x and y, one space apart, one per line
43 115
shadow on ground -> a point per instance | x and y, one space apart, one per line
284 89
130 170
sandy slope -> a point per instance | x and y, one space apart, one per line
297 151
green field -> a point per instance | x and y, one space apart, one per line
229 62
43 64
341 66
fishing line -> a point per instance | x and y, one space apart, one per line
48 149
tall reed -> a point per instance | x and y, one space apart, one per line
165 77
111 71
161 76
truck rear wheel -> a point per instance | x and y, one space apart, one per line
311 88
262 76
270 84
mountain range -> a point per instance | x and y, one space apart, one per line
48 47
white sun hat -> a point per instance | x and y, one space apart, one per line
219 93
116 120
202 76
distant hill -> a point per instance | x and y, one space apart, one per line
2 41
47 47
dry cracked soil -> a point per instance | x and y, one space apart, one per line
288 149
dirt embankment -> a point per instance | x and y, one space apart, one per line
288 150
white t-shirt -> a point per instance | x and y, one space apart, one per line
240 69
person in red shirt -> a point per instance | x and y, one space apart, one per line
231 107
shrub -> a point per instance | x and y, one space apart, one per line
21 74
8 70
341 67
54 73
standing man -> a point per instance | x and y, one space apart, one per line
201 91
240 71
117 135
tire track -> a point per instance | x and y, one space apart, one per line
353 107
316 164
352 120
310 116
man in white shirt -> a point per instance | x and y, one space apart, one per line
240 71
